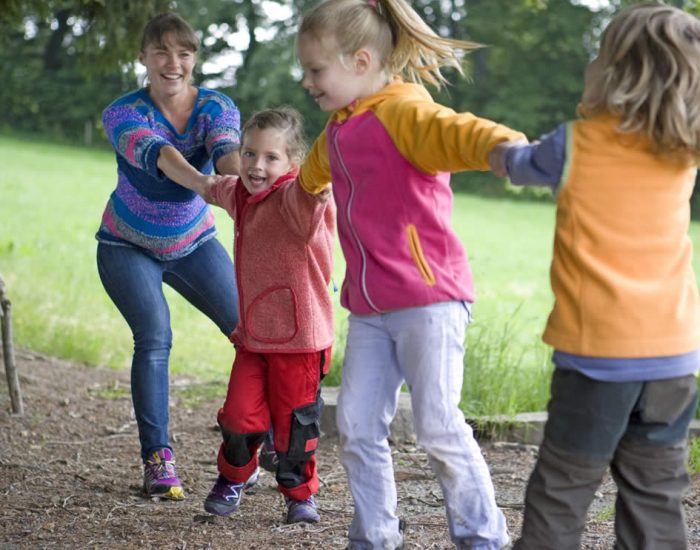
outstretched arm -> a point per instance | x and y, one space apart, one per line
539 163
175 166
229 164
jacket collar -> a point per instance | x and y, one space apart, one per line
262 195
396 88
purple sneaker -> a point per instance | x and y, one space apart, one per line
302 511
159 477
225 497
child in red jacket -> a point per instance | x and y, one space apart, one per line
283 246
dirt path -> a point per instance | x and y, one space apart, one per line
70 477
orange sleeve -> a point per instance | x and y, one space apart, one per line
435 138
315 173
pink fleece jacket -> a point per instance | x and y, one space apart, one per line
283 255
389 157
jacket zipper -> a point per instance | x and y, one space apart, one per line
236 255
348 216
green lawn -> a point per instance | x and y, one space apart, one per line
51 200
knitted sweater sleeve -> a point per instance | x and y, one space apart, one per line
223 129
130 132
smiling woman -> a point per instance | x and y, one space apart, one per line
155 228
169 63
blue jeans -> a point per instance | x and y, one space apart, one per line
134 282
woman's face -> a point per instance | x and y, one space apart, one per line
169 66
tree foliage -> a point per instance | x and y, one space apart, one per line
529 72
65 60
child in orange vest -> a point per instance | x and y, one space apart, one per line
625 325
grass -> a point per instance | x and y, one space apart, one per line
694 455
51 201
606 514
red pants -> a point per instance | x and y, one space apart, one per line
277 388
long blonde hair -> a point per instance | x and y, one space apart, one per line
650 77
407 46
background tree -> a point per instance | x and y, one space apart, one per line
65 60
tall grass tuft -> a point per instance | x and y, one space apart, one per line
694 455
501 377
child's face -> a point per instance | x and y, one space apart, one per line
591 81
332 83
264 158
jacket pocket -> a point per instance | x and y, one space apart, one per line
305 430
417 254
272 317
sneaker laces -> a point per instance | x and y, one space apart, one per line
159 468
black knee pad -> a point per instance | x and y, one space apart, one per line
239 448
303 439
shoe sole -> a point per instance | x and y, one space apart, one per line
305 520
220 509
172 493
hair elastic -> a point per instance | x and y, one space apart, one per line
372 3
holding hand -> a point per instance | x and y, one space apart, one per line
497 156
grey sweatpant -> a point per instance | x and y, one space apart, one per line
639 430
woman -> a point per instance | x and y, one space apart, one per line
167 137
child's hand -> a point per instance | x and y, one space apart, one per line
497 156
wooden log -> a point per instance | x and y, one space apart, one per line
9 352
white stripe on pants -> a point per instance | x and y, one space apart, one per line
424 347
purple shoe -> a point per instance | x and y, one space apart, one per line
225 497
159 477
302 511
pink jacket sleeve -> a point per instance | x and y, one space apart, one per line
302 210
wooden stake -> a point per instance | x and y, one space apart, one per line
9 352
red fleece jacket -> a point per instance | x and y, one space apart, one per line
283 255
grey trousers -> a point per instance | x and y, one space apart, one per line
637 429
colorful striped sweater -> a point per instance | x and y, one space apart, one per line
147 209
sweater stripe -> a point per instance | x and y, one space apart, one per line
147 209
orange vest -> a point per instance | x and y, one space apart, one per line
621 270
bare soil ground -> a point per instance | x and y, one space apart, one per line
70 477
